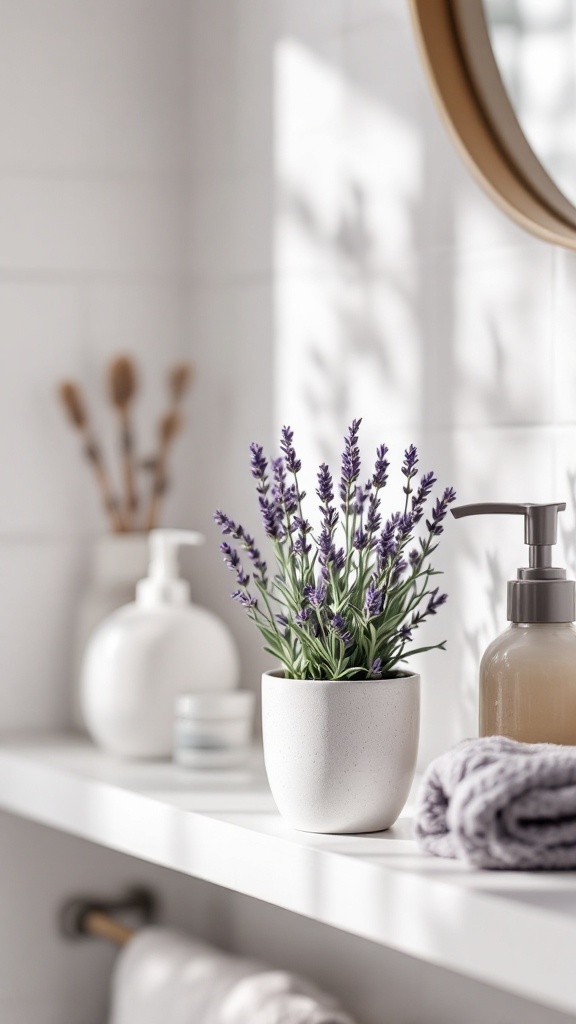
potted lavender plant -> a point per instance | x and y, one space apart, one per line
339 611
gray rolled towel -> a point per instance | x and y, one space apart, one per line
496 803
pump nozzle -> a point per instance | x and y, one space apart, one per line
541 593
540 524
163 584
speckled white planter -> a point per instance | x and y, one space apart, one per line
340 756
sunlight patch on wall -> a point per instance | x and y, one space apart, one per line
348 177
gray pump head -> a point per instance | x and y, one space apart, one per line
540 593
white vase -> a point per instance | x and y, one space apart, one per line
340 756
118 561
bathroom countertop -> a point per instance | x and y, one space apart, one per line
514 930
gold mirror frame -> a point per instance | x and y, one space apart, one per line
455 47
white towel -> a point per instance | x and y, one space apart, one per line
163 977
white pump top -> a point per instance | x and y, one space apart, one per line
163 585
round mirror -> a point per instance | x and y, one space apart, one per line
504 74
534 45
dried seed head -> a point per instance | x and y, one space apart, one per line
71 398
170 425
122 380
180 379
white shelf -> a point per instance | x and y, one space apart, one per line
513 930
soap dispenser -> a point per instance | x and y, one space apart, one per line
528 673
145 654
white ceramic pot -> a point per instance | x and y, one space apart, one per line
340 756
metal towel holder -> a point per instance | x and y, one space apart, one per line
84 916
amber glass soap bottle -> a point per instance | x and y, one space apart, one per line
527 679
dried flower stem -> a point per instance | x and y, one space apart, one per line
75 408
123 386
179 381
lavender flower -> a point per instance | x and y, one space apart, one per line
373 518
373 601
439 512
315 595
387 543
226 524
381 468
292 462
325 489
232 560
422 494
229 527
350 470
258 462
341 630
341 599
435 602
245 599
359 499
360 540
272 519
410 464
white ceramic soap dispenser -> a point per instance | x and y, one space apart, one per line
148 652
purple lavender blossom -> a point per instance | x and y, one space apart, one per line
360 540
303 615
258 462
359 499
350 463
292 462
435 602
404 527
405 633
315 595
272 518
245 599
373 601
439 512
231 556
410 464
373 518
375 668
414 557
229 527
325 489
301 546
232 560
386 546
226 524
421 496
381 467
341 630
285 495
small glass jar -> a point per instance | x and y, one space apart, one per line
213 730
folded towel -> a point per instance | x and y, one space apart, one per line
496 803
162 977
